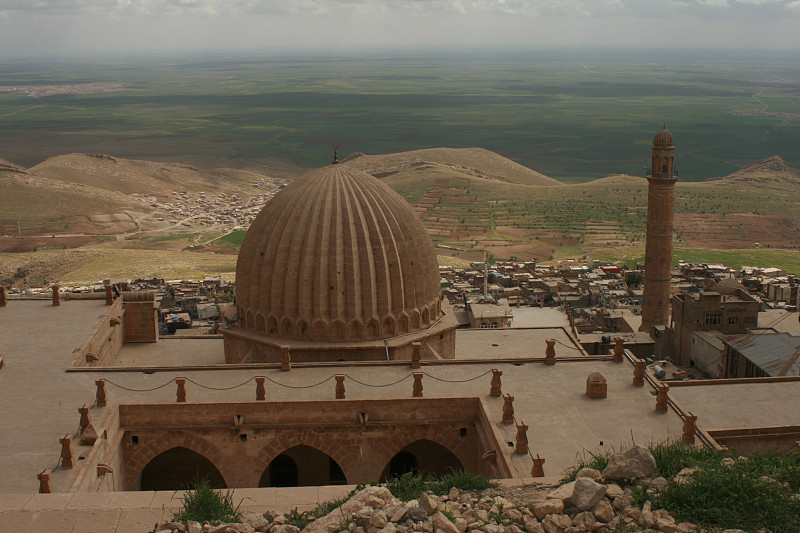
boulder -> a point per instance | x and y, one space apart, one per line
586 520
415 514
591 473
587 493
563 493
429 502
193 527
603 511
633 463
441 522
256 521
547 507
556 523
378 519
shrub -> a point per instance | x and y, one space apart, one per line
202 503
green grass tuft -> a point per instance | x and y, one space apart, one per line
410 486
202 504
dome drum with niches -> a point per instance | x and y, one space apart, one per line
336 261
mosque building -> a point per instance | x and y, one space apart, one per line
342 364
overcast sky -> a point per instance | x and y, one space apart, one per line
78 27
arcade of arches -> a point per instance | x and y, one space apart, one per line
430 436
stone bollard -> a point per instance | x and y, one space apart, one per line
261 391
689 429
662 399
508 409
45 487
66 451
109 295
340 387
537 470
56 295
416 354
417 392
286 358
596 386
638 373
100 396
3 298
550 352
618 349
85 420
522 439
181 394
496 383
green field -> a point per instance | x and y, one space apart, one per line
575 116
789 260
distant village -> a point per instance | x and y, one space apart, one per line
725 322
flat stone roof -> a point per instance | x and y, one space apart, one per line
41 399
513 343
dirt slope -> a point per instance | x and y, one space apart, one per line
476 162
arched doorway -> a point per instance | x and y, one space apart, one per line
178 468
423 457
302 466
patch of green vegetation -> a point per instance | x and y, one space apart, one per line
410 486
789 260
753 493
202 503
234 238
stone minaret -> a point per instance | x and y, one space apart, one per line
658 248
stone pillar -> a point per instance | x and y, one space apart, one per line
261 392
3 298
109 295
662 399
522 439
496 383
508 409
100 396
416 354
618 349
66 451
550 352
638 373
56 295
286 358
340 387
85 420
45 487
658 242
538 469
689 429
141 316
180 395
417 391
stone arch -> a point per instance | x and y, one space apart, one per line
302 466
402 323
414 319
179 468
373 329
320 329
446 439
272 326
137 456
429 457
337 330
425 316
388 326
250 320
355 330
261 323
287 326
344 456
302 328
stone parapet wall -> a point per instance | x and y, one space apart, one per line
141 319
105 341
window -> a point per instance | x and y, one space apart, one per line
484 325
750 320
733 320
713 319
494 325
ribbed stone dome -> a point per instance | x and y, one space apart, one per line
338 256
663 139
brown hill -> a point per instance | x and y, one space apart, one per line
476 162
144 177
27 196
771 172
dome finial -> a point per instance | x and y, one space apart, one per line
335 155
